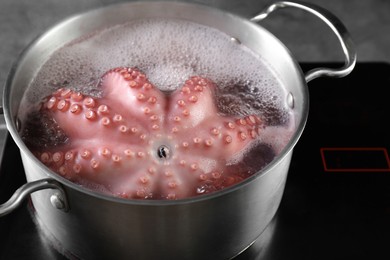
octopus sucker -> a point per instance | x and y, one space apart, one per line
197 140
141 193
69 155
186 112
76 96
152 170
45 157
208 142
216 175
242 136
85 154
75 108
58 158
241 121
104 151
62 170
152 100
154 118
194 166
144 179
230 125
123 129
117 118
66 93
172 184
95 164
175 130
140 154
90 115
215 131
185 90
181 103
103 109
141 97
105 121
89 102
51 103
141 143
182 162
116 158
203 177
193 99
63 105
228 139
129 153
171 196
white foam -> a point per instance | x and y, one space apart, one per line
168 52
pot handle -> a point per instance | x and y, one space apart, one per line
58 199
337 27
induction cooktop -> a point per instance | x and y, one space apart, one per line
336 203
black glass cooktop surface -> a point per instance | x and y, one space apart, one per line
336 203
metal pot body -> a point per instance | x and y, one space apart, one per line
215 226
218 227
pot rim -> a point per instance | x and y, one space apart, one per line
12 124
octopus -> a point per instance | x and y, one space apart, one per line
139 142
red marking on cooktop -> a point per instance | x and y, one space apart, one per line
355 159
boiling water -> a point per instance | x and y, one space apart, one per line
169 52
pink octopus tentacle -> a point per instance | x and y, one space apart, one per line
132 94
90 118
193 106
89 160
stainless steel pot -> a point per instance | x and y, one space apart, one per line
89 225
